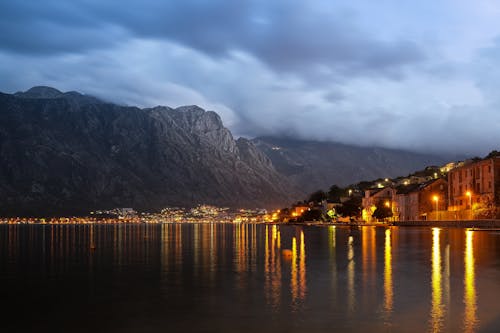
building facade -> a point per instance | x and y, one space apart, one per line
475 186
374 198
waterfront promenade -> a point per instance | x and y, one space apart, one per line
422 223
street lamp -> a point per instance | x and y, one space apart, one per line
469 194
388 205
436 200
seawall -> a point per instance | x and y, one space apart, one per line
453 224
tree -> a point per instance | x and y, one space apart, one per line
493 153
312 215
351 207
284 214
382 211
335 193
317 196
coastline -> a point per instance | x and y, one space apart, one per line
482 224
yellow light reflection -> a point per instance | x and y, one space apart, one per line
279 240
302 267
388 289
437 311
351 294
331 236
276 270
470 317
333 262
293 280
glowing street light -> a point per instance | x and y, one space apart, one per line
469 194
436 200
470 198
387 204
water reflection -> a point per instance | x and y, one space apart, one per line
332 244
301 278
298 283
437 311
388 290
470 317
351 291
272 266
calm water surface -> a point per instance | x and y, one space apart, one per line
248 278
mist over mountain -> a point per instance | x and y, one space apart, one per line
314 165
67 153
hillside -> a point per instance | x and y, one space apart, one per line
316 165
67 153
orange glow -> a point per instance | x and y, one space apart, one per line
437 308
293 281
470 318
388 288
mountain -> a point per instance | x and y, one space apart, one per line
313 165
68 153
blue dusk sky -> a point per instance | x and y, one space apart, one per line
419 75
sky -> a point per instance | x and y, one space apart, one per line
416 75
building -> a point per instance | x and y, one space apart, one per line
374 198
475 187
407 202
426 201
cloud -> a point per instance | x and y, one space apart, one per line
313 70
294 36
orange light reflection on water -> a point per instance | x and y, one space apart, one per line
470 315
388 288
437 309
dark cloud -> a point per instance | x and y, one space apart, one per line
293 36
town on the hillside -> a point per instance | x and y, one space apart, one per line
467 190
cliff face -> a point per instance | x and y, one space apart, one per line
63 153
315 165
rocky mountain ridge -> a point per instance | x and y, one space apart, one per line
314 165
67 153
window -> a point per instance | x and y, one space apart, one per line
460 202
489 185
489 168
460 189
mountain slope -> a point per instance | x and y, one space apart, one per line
63 153
317 165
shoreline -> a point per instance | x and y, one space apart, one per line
482 224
